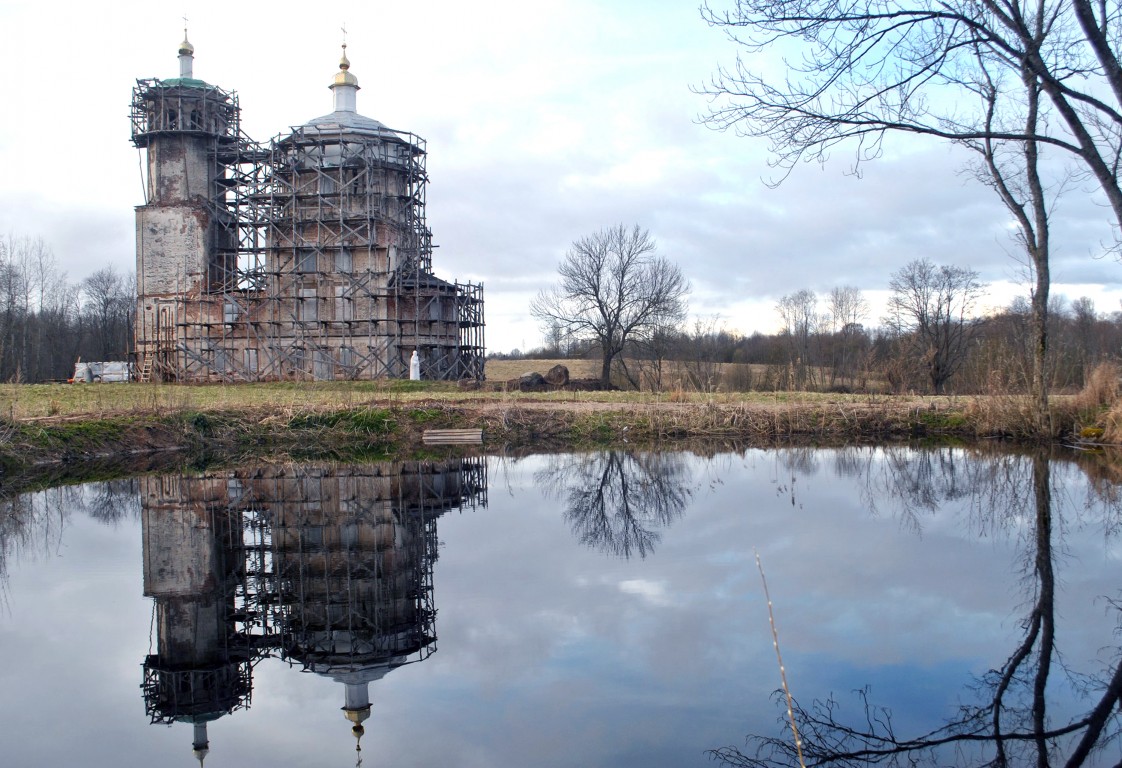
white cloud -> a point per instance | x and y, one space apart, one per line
652 592
544 123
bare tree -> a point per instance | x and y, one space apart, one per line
931 307
1012 168
847 310
702 354
53 342
799 314
1005 78
109 304
554 340
614 289
650 354
15 306
46 322
1083 328
870 67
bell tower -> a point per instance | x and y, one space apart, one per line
186 236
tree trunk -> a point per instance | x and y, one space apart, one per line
1041 413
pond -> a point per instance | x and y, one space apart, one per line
593 609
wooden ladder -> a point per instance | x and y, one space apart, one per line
145 369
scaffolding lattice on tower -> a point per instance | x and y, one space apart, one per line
329 567
308 257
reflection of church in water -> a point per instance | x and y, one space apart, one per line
328 567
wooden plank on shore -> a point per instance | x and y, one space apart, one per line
452 437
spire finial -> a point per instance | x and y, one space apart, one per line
186 53
344 62
357 731
345 84
185 43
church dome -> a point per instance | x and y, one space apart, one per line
345 117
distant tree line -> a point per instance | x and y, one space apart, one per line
48 323
930 341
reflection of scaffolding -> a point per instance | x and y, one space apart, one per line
306 258
189 695
328 567
201 667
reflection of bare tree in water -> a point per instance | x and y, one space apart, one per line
36 521
616 501
17 527
913 481
113 500
1010 725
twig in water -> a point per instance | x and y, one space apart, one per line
782 670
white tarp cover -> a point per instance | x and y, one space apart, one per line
109 371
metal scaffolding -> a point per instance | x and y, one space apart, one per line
328 567
316 258
339 559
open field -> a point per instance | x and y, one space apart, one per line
725 377
45 401
63 424
20 402
505 370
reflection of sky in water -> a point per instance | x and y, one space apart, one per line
556 654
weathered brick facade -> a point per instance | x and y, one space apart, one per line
306 258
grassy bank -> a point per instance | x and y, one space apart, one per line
62 424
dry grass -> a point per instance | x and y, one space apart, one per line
37 401
1101 389
1010 415
20 402
52 423
727 377
505 370
1094 414
675 412
1099 406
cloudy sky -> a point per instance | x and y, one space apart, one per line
545 122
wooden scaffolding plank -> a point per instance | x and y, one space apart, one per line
452 437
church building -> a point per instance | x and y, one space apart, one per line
305 258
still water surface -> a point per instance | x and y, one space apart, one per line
573 610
